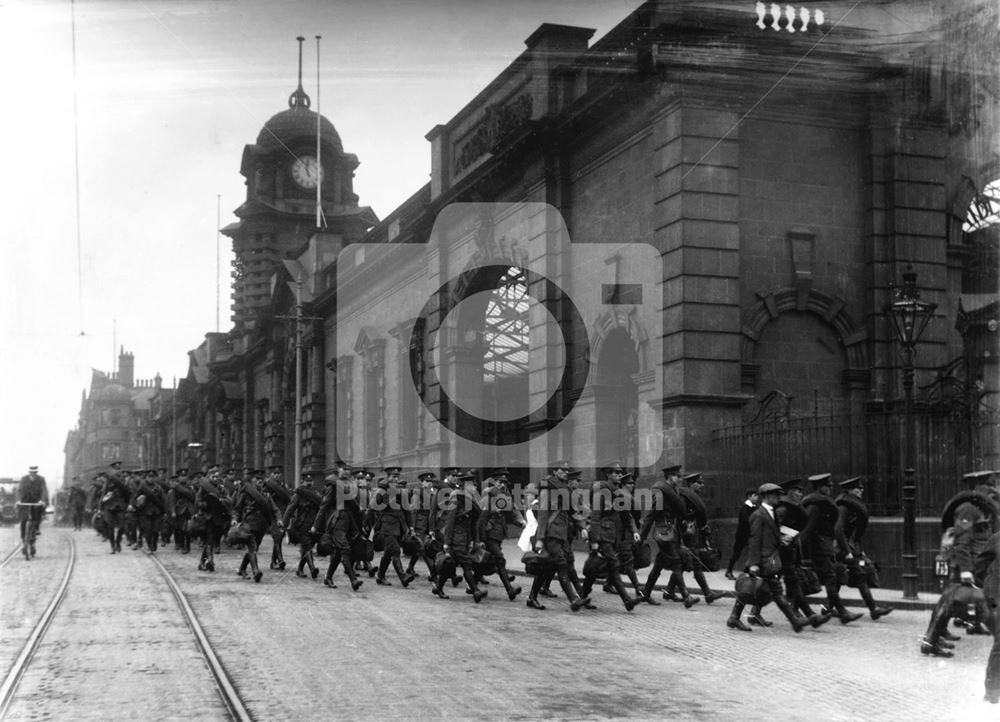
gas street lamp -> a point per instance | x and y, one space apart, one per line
910 317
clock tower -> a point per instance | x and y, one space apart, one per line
296 152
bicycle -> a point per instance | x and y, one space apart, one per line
34 510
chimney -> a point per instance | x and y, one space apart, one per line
126 368
158 380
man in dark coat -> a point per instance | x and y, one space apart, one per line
820 540
695 535
115 497
77 503
662 521
421 499
742 529
554 533
852 520
987 573
460 536
611 523
181 506
213 513
298 519
391 522
253 508
31 490
281 496
499 504
340 516
149 504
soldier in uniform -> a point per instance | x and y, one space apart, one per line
181 505
420 504
77 503
254 508
460 538
554 534
114 500
852 520
987 573
662 520
695 534
391 521
340 515
213 509
31 490
611 524
493 524
166 519
275 488
298 518
441 503
742 529
363 481
131 516
149 504
627 547
820 540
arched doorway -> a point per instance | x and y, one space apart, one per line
616 397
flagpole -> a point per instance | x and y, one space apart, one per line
298 381
173 418
218 268
319 164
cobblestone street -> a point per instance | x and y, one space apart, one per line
119 648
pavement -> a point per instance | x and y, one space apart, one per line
295 649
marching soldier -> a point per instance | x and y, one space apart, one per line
77 503
391 522
610 524
627 546
555 530
213 512
493 524
987 573
820 540
149 504
420 505
695 534
255 509
181 504
131 515
662 521
297 520
852 520
437 521
340 515
114 500
166 520
280 496
460 538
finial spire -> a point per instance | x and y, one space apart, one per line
299 99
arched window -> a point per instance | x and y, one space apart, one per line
505 333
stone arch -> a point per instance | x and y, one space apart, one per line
831 309
624 318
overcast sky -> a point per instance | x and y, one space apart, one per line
167 95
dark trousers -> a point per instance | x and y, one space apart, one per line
610 554
78 515
739 544
667 557
993 663
149 527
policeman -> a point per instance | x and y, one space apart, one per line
820 540
662 522
297 520
390 521
852 520
610 525
555 530
339 515
499 504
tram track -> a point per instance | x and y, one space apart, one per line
11 555
10 683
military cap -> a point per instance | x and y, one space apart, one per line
791 484
675 469
161 468
500 471
693 478
574 473
331 478
359 473
559 464
628 478
467 476
818 480
275 467
613 466
451 470
213 466
390 470
853 483
182 471
426 475
974 478
307 475
32 468
769 489
114 465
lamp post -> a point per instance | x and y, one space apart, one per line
910 316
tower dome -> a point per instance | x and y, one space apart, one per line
295 123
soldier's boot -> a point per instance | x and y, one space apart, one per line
536 587
797 622
383 567
243 565
351 574
431 569
576 602
111 540
833 598
278 552
634 581
588 585
873 609
668 593
209 555
678 580
470 578
405 577
411 566
311 561
757 619
328 579
512 591
118 541
257 573
654 574
300 568
710 596
616 582
734 621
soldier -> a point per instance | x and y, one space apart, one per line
611 524
662 520
695 534
627 547
363 481
420 504
493 524
181 505
391 522
131 515
437 521
166 520
340 515
298 518
852 520
253 508
742 529
820 540
555 530
114 500
764 559
280 496
149 504
987 573
77 503
460 538
213 510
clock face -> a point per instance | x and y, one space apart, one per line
306 171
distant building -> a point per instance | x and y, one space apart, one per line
114 418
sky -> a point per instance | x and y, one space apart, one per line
152 118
